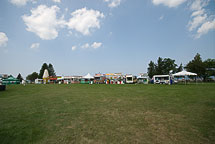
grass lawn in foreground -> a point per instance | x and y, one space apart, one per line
108 114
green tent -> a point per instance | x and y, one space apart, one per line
10 80
88 79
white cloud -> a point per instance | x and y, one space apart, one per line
74 48
84 20
205 28
85 46
96 45
43 22
196 21
198 4
70 33
35 46
57 1
198 12
169 3
113 3
19 2
3 39
34 1
200 20
161 17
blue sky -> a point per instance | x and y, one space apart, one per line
81 36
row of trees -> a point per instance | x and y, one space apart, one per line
163 67
204 69
35 75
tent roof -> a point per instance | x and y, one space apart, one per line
185 73
88 76
10 79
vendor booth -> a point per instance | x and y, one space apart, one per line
184 76
88 79
114 78
161 79
99 78
10 80
143 79
129 79
38 81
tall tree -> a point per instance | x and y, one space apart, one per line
19 77
32 76
168 65
159 66
196 66
51 70
151 69
44 66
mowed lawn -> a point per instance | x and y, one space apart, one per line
108 114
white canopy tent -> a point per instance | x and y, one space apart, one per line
184 73
88 76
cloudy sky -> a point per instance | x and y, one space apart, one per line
81 36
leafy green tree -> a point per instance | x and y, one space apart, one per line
151 69
159 66
210 67
163 66
168 65
19 77
44 66
196 66
51 70
32 76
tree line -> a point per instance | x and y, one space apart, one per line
204 69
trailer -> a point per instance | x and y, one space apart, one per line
129 79
161 79
143 79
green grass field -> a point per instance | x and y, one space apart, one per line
108 114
